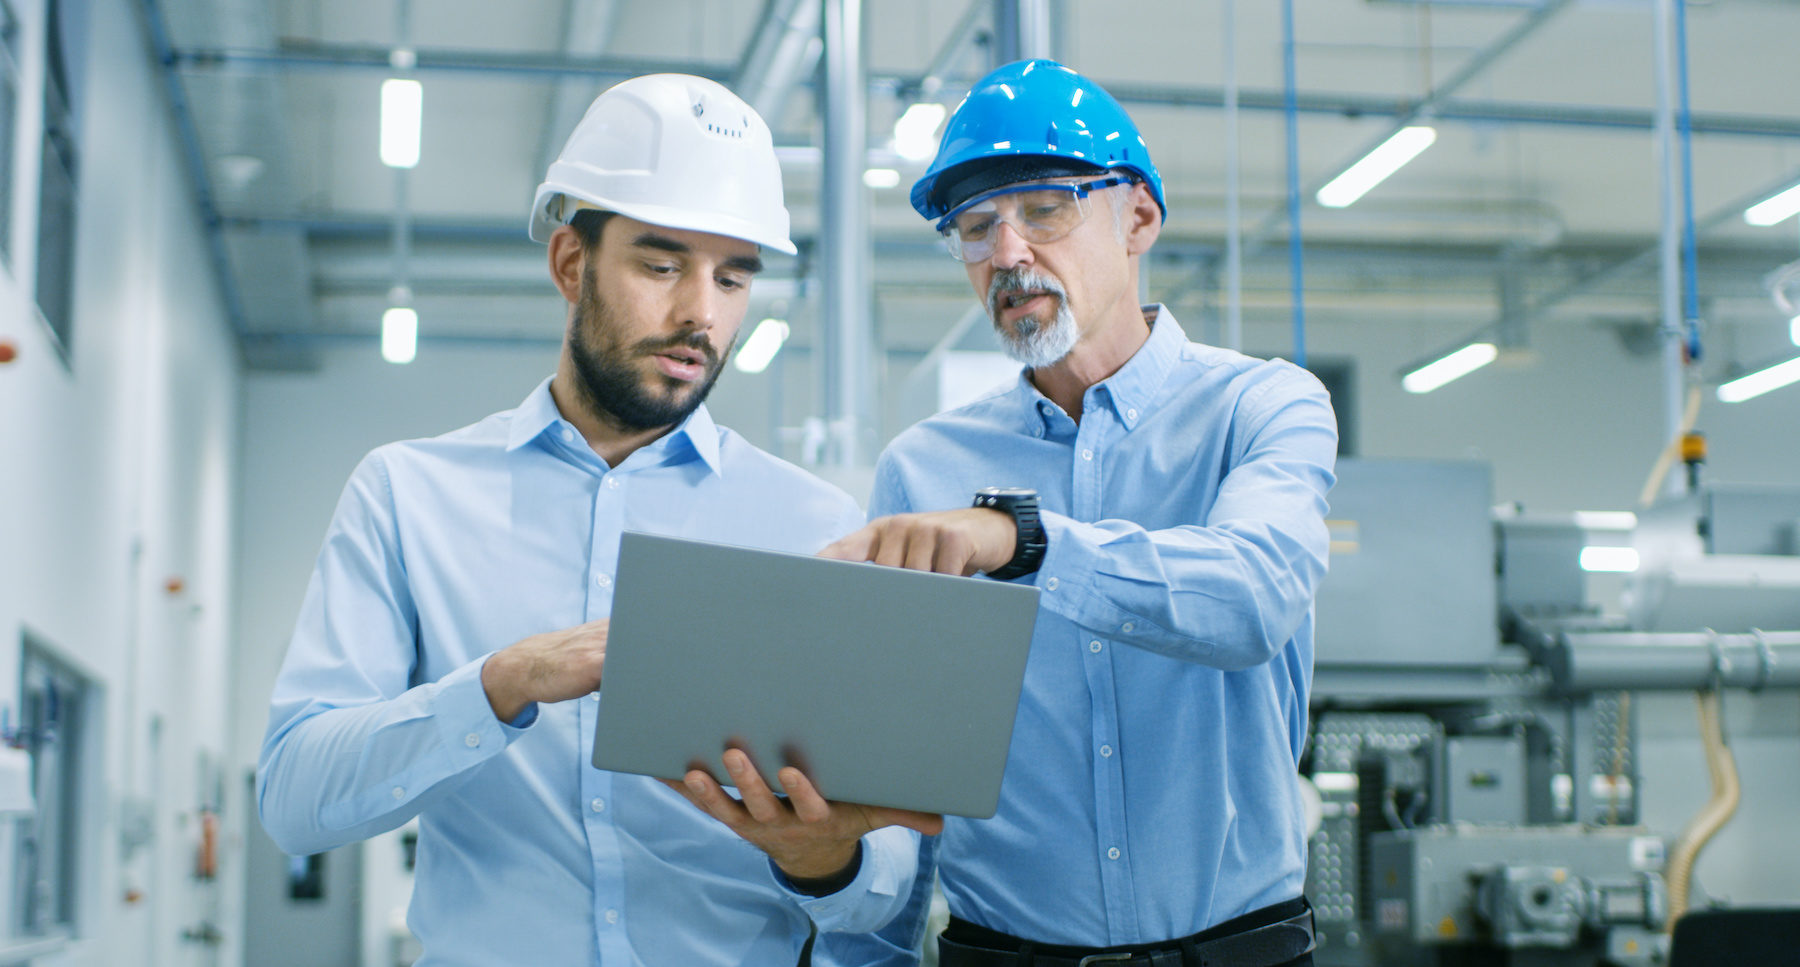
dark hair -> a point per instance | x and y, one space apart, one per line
588 224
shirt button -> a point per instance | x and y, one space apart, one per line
1127 626
399 792
603 580
1106 752
1087 454
1112 854
568 435
612 483
472 740
1094 646
1050 585
598 805
1131 414
612 916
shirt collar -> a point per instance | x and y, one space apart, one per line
696 436
1131 390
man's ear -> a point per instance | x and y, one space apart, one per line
1143 221
566 258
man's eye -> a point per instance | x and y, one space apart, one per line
727 282
977 231
660 268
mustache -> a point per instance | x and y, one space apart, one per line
1014 280
694 341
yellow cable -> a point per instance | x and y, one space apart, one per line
1725 795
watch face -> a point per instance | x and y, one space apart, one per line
1007 492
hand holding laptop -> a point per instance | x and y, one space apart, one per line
806 835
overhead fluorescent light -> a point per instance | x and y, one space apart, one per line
402 112
881 177
1605 520
1377 165
915 134
399 334
1775 209
1760 382
1452 367
759 350
1615 559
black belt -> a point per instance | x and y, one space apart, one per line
1261 945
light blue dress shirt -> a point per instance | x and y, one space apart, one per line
445 550
1150 789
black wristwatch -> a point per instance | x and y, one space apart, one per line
1021 504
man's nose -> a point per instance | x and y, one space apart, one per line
1010 248
699 303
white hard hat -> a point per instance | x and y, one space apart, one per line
670 150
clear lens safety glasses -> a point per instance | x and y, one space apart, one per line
1039 213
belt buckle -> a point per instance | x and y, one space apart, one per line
1092 959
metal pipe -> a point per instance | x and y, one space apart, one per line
327 56
1673 661
1668 237
845 245
784 49
1234 236
955 43
1690 245
1295 256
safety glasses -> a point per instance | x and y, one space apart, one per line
1041 212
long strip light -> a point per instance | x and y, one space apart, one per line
1605 520
1794 330
399 334
1597 557
759 350
1774 209
402 113
1760 382
915 134
1448 368
1377 165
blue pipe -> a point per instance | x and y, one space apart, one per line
1297 271
1690 253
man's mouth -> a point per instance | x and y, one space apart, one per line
681 363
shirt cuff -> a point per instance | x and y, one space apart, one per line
465 717
877 892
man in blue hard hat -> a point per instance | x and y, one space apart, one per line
1167 499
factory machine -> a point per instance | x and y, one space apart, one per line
1472 741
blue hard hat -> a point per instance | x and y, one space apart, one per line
1027 120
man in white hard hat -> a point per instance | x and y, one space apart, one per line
455 626
1167 499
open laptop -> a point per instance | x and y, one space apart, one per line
887 687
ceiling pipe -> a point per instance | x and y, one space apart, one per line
587 30
784 50
314 56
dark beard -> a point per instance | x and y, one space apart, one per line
611 384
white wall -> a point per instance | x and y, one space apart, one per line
117 477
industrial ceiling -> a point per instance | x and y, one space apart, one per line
1543 197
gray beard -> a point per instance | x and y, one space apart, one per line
1031 342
